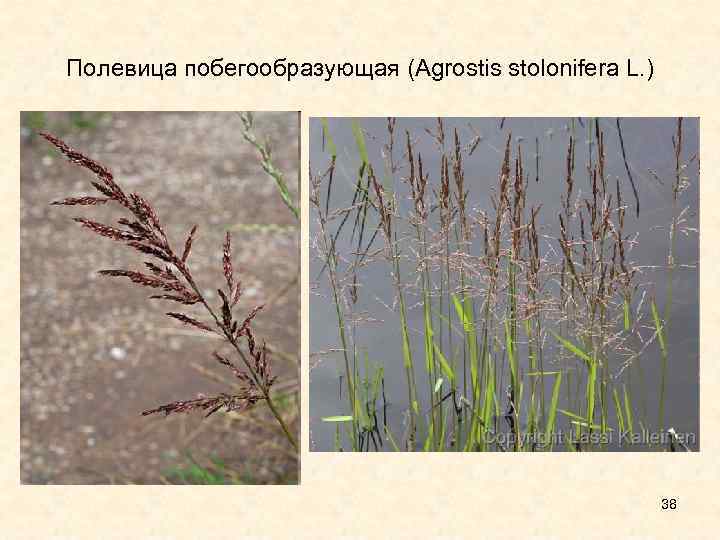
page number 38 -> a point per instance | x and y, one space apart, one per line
668 504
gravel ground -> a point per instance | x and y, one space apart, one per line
95 352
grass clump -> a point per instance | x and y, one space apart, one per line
534 319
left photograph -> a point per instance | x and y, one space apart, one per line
160 298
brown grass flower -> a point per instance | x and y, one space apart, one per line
142 230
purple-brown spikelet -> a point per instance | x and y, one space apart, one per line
190 321
81 201
185 298
244 328
240 374
136 227
161 254
108 186
188 244
231 402
107 231
226 312
227 261
146 280
383 207
164 273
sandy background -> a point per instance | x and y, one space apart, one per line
372 496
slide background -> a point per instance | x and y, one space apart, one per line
374 495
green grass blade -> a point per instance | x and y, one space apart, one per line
345 418
552 413
511 358
360 141
443 434
570 346
590 392
626 314
572 415
444 365
429 357
489 401
392 440
618 410
658 326
427 446
587 425
628 410
328 139
407 359
465 314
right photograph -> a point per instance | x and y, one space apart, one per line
504 284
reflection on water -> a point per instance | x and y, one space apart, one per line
648 147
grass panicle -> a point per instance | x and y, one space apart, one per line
142 230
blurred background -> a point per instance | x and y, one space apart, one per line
95 352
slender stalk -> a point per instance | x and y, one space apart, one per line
181 267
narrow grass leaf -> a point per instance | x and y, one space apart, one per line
628 409
360 141
511 355
658 326
465 314
570 346
572 415
328 139
626 314
552 413
592 376
586 424
618 410
444 365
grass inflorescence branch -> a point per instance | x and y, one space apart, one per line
142 230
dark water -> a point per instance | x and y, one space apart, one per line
648 146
